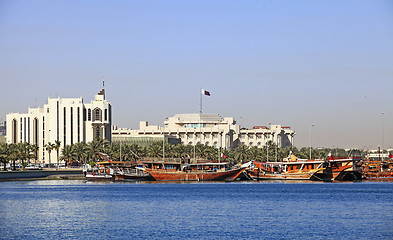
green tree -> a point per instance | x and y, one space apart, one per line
81 152
241 153
5 152
97 147
49 147
56 146
34 150
68 154
155 150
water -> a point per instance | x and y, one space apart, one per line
62 209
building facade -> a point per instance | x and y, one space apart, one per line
68 120
212 130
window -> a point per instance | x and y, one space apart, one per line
14 130
215 135
242 136
251 136
170 166
194 125
84 114
207 135
89 115
259 136
35 131
106 115
72 125
79 125
97 115
64 117
97 132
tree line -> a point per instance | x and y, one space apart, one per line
96 150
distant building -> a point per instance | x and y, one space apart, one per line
212 130
68 120
2 128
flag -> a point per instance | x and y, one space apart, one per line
390 155
223 156
204 92
330 156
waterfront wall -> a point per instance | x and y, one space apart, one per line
10 175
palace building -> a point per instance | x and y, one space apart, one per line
209 129
68 120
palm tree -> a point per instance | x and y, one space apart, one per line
5 152
34 149
49 147
135 151
13 153
81 151
97 147
23 151
68 154
57 147
255 153
241 153
155 150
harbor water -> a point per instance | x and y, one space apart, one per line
76 209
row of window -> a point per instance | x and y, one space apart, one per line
198 135
251 136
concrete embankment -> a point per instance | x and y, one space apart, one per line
41 174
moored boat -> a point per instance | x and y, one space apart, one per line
340 169
378 170
302 169
116 171
174 171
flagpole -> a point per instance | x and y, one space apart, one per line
200 109
200 113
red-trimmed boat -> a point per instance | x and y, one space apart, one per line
378 170
341 169
209 171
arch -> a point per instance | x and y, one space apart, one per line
97 132
97 114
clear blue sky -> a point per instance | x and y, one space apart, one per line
295 63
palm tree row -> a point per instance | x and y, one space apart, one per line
101 149
20 151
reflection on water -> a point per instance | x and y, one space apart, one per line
72 209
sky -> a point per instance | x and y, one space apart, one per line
292 63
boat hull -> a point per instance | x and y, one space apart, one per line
163 175
131 177
378 176
287 176
97 177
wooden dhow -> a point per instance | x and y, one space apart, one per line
207 171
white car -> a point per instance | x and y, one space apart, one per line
33 167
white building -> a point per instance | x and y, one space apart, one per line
68 120
213 130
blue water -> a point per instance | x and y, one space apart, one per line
62 209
